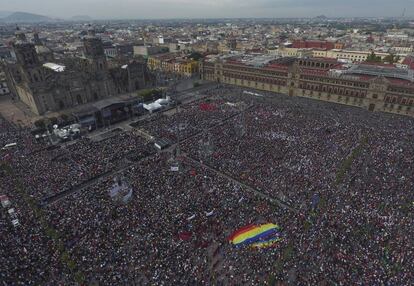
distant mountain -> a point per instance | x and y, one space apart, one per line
5 13
81 18
23 17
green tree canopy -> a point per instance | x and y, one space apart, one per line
391 58
373 58
195 56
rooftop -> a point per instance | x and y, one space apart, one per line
381 70
54 67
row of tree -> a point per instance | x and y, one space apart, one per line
391 58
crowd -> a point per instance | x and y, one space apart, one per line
191 119
144 235
55 169
27 256
351 223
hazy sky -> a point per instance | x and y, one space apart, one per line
116 9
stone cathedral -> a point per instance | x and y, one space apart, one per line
46 85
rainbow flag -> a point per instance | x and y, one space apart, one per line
257 236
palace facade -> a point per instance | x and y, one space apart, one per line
376 88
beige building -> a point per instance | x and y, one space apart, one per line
172 63
355 56
292 52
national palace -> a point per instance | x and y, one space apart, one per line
375 87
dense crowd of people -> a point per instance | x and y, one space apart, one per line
27 255
55 169
191 119
346 174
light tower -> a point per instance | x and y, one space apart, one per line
174 162
241 128
206 144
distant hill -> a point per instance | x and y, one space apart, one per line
81 18
5 13
23 17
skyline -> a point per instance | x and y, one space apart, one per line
169 9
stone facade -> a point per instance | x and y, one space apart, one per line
78 80
297 79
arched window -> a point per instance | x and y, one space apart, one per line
79 99
61 104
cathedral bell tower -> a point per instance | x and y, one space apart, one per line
25 52
27 59
94 53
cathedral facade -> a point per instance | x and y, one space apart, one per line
44 85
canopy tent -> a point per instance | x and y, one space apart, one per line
154 106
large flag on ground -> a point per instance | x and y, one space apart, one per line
256 236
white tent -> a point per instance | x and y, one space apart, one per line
162 101
154 106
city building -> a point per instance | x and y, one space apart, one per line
44 84
110 50
146 51
355 56
383 88
5 52
292 52
171 63
324 45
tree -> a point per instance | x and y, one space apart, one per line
373 58
40 124
150 94
391 58
64 117
53 120
146 96
195 56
